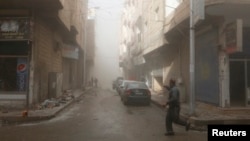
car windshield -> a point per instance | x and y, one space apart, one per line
140 85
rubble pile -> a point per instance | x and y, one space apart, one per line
55 102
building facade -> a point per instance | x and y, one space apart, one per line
221 51
41 46
143 40
220 45
90 50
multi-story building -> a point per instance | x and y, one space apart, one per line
127 39
90 62
221 50
41 45
142 40
154 43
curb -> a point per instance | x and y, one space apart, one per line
19 120
200 124
10 120
198 127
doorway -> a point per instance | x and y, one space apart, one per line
237 83
13 74
13 67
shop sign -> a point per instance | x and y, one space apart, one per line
198 10
233 37
22 74
70 52
14 28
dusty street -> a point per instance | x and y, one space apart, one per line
99 115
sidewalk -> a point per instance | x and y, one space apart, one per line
15 117
207 114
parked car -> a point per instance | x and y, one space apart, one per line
122 86
116 83
135 92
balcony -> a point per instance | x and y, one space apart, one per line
227 8
43 4
216 11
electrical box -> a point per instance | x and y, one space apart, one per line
55 84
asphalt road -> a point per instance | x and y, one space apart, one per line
99 115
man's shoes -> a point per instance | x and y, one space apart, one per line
169 134
187 126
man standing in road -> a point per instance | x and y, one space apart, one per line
173 110
96 82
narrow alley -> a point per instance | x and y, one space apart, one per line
99 115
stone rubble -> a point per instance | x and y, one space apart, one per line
55 102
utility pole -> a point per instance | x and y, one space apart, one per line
197 13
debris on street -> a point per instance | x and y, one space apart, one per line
55 102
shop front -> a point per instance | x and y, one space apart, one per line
239 73
70 55
15 46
